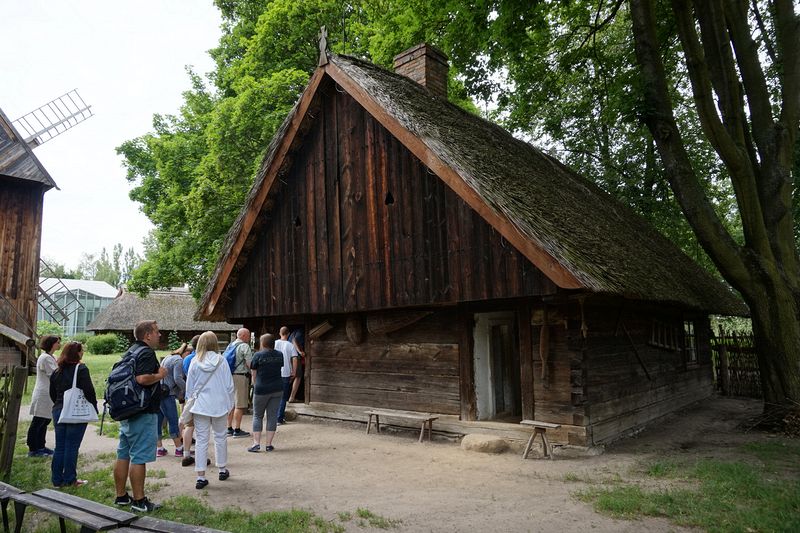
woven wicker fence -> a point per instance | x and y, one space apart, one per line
736 364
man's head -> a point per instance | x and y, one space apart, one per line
243 335
267 341
284 333
194 341
147 332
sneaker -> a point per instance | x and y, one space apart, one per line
270 448
240 433
47 451
144 506
161 452
230 432
37 453
178 452
224 474
78 483
123 500
255 448
282 422
187 460
201 484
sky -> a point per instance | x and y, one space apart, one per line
127 59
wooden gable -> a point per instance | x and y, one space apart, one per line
358 223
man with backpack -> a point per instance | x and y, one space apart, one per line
138 432
238 354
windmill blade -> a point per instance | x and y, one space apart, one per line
53 118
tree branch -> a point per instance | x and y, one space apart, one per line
764 35
660 119
732 150
596 27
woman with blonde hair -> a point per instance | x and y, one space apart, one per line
210 385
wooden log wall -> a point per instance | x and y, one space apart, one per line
359 223
558 380
415 368
20 240
623 390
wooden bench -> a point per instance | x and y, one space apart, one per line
539 428
148 523
425 418
91 516
6 491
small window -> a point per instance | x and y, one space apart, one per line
664 335
689 342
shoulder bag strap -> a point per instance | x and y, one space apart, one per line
201 387
75 376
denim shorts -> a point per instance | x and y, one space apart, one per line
137 439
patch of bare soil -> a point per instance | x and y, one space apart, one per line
332 467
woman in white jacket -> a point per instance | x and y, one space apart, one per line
209 381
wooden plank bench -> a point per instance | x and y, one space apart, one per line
91 516
425 418
148 523
6 491
539 428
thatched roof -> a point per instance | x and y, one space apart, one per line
173 310
577 234
16 157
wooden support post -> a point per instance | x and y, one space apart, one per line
724 376
18 378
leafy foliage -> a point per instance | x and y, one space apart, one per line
43 327
173 341
102 344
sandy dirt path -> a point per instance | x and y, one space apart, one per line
332 467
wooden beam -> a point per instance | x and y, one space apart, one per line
535 254
270 174
16 336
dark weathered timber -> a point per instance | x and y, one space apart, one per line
466 363
525 360
367 254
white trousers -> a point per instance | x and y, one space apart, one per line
203 427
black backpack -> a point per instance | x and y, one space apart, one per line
124 397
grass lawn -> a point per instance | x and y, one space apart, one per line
759 493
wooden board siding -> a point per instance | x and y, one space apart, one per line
555 397
359 223
20 238
413 369
619 394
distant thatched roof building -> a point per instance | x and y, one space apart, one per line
173 309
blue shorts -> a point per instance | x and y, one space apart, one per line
137 439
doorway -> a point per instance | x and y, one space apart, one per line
497 367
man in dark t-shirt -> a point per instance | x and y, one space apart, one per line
138 434
265 369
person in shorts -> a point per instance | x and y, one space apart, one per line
138 434
240 372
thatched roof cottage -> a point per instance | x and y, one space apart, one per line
439 264
173 309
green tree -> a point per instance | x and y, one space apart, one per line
43 327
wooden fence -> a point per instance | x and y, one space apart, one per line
735 364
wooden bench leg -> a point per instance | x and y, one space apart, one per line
19 514
528 446
430 429
378 423
369 423
548 451
422 431
5 516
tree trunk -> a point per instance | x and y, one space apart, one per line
777 337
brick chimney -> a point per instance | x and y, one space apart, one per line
426 65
